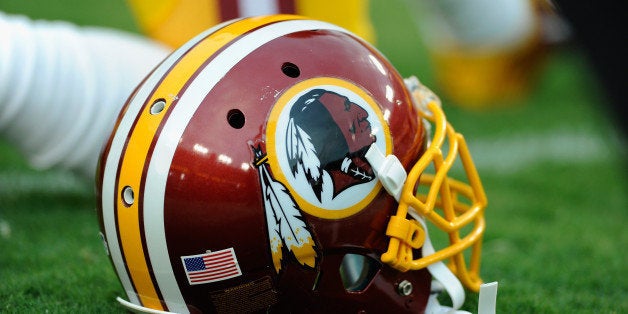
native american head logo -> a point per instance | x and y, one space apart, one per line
329 133
314 161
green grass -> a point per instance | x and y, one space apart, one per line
552 165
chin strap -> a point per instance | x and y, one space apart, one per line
439 271
445 280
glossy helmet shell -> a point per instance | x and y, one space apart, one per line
202 162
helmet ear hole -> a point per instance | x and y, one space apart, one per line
357 271
158 106
128 196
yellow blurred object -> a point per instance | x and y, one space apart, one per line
485 53
488 78
350 14
174 22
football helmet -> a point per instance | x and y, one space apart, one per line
282 164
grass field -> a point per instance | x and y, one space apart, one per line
553 167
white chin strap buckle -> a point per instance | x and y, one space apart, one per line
388 169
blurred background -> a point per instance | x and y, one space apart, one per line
539 109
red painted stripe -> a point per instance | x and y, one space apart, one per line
213 270
228 9
216 276
287 6
220 264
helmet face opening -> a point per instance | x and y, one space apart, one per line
236 178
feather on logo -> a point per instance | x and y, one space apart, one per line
301 152
287 230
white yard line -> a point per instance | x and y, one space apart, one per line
516 152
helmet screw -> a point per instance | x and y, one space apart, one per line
404 288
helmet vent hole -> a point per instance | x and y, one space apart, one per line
158 106
290 69
235 118
357 271
128 196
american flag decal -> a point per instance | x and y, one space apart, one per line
211 266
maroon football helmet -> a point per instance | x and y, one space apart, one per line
271 164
